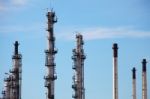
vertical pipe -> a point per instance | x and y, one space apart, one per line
134 82
115 71
144 80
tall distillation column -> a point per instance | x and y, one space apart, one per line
78 78
115 71
16 73
12 83
134 82
50 55
144 80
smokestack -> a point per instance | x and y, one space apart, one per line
115 71
134 82
144 80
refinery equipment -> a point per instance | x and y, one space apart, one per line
50 56
78 67
144 80
115 71
134 82
12 87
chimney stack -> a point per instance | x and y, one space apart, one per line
115 71
144 80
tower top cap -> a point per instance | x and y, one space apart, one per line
78 35
144 65
115 46
144 61
16 47
16 43
133 71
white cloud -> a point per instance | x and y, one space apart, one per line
2 8
105 33
67 33
7 5
18 2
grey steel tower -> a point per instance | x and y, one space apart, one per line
115 71
50 56
16 73
134 82
78 78
144 80
12 87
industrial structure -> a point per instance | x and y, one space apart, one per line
115 71
50 56
144 80
134 83
12 87
78 67
13 79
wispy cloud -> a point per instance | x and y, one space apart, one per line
7 5
19 2
68 33
29 31
2 8
105 33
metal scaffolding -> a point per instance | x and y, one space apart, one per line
50 56
78 67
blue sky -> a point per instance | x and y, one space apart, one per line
102 23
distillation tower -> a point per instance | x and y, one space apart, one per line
50 56
78 67
115 71
134 82
144 80
12 87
